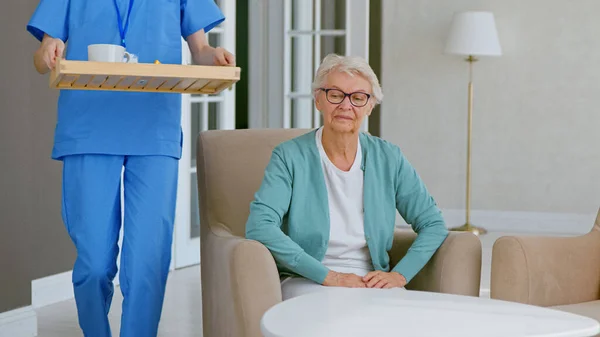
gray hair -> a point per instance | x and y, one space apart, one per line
351 65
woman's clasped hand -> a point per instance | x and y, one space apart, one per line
374 279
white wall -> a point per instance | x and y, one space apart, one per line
536 128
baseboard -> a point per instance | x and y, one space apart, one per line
18 323
55 289
52 289
520 222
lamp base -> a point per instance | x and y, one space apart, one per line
470 228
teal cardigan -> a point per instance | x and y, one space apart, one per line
290 212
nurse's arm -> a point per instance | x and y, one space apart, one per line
50 50
204 54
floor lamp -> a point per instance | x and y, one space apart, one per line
472 34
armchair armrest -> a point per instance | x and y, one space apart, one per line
455 268
546 271
240 282
256 285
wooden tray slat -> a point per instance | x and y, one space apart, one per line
224 85
170 83
155 83
212 86
97 81
111 82
141 83
126 83
197 86
82 81
183 85
67 81
143 77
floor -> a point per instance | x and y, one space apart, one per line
181 317
182 312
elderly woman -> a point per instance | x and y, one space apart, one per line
326 207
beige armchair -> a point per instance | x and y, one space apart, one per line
239 277
558 272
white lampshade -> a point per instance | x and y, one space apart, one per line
473 33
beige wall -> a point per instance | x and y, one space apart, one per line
33 241
536 128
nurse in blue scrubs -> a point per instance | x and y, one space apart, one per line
99 135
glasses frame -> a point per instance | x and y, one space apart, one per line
327 90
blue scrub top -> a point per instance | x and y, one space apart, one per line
121 123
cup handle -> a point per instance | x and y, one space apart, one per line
127 57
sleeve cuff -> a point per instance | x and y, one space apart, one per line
38 32
310 268
409 266
50 17
206 25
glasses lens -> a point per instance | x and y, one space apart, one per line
335 96
359 99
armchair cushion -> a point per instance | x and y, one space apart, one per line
455 268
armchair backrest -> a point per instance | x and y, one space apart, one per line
231 166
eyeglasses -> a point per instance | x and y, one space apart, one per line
336 96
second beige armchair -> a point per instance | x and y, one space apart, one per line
239 278
558 272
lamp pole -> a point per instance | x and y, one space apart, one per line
468 227
473 33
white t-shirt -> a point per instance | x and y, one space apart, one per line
347 251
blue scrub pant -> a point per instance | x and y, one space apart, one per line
92 216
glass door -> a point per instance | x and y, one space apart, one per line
200 113
310 29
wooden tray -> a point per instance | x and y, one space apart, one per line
143 77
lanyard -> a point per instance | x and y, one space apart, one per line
123 30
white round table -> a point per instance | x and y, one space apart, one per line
398 312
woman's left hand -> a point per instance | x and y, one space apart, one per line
381 279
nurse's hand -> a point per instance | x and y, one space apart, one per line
204 54
48 53
222 57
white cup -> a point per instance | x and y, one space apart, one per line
109 53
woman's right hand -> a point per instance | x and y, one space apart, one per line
48 53
335 279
